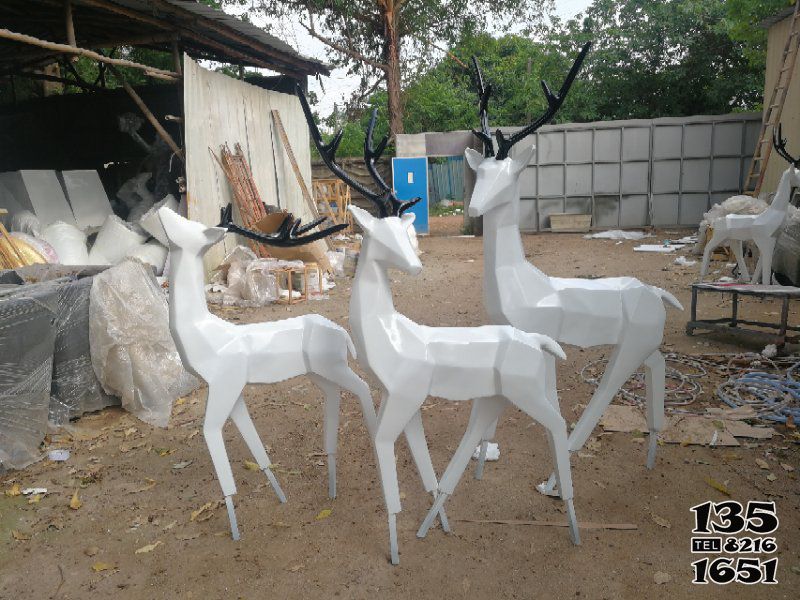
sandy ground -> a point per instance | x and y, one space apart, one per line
139 486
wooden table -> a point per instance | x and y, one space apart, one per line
733 323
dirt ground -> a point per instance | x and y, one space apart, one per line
138 486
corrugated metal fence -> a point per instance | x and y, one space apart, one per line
446 179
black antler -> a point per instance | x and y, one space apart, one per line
484 92
779 142
386 201
289 234
554 102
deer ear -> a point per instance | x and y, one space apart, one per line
169 220
215 234
408 219
474 158
523 158
362 217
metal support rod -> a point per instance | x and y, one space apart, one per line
734 311
163 133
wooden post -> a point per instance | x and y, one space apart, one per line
149 115
70 27
177 56
66 49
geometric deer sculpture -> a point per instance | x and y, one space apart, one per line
493 365
618 311
229 356
763 229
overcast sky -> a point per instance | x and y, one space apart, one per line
339 87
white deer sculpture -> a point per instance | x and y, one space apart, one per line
493 365
229 356
763 229
620 311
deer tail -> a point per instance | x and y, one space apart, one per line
668 298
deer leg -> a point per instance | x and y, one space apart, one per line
738 252
484 412
488 436
766 249
625 359
415 437
654 375
244 423
710 246
395 413
541 409
330 426
345 378
220 403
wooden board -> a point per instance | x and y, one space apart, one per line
219 109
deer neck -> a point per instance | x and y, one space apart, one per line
371 301
502 240
780 201
187 296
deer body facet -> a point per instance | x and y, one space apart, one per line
229 356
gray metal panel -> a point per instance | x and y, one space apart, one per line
752 129
551 180
527 182
697 140
636 143
527 215
606 178
579 146
606 211
550 148
725 174
634 211
580 206
667 142
665 209
546 207
692 208
696 175
607 145
666 176
728 139
635 177
579 180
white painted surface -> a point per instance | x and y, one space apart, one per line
87 197
39 192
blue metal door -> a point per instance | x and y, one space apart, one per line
410 179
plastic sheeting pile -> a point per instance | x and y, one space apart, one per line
243 279
132 350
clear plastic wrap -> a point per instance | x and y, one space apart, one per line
242 279
132 350
75 389
27 339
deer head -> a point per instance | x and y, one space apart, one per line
498 173
188 235
779 143
390 244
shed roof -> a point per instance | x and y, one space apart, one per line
777 17
203 32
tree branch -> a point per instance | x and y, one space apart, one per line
344 50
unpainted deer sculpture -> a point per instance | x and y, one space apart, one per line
763 229
229 356
619 311
494 365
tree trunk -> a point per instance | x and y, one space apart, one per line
392 59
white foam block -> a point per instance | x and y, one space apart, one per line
41 193
87 197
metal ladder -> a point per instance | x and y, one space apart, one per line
774 108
